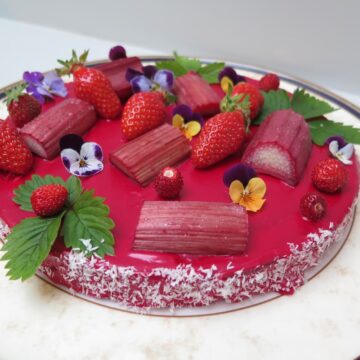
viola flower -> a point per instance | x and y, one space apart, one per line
340 149
229 77
117 52
186 121
42 86
240 172
81 158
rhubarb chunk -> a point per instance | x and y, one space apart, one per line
191 89
192 227
281 147
115 71
143 158
71 116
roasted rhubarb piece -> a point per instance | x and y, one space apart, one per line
192 227
191 89
143 158
115 71
281 147
71 116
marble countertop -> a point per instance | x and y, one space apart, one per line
38 321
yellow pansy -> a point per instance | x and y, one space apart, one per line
189 129
251 197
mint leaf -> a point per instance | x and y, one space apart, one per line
28 244
173 66
187 63
210 72
23 192
87 226
73 185
273 101
309 106
322 129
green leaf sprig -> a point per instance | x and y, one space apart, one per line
84 224
181 65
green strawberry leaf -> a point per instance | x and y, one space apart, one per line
73 185
321 129
187 63
87 226
173 66
28 244
210 72
23 192
273 101
309 106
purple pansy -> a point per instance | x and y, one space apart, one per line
241 172
81 158
151 79
117 52
340 149
187 114
42 86
230 73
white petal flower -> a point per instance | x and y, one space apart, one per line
343 154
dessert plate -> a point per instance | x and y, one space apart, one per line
348 114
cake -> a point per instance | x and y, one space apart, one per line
179 223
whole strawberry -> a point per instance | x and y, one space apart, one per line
313 206
22 107
15 156
169 183
255 98
142 112
92 86
269 82
48 200
329 175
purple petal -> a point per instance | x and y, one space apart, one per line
117 52
71 141
131 73
239 172
184 111
149 71
165 79
140 83
34 77
91 151
340 140
32 90
231 74
43 91
198 117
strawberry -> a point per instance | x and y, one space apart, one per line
15 156
22 107
142 112
92 86
269 82
312 206
255 98
221 136
169 183
48 200
329 175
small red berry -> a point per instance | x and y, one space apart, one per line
269 82
169 183
312 206
329 175
48 200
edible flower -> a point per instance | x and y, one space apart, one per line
340 149
229 77
81 158
245 188
151 80
117 52
42 86
186 121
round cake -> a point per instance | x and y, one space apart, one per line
275 244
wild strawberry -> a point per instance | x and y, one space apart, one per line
49 200
169 183
15 156
312 206
92 86
142 112
22 107
269 82
255 98
329 175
